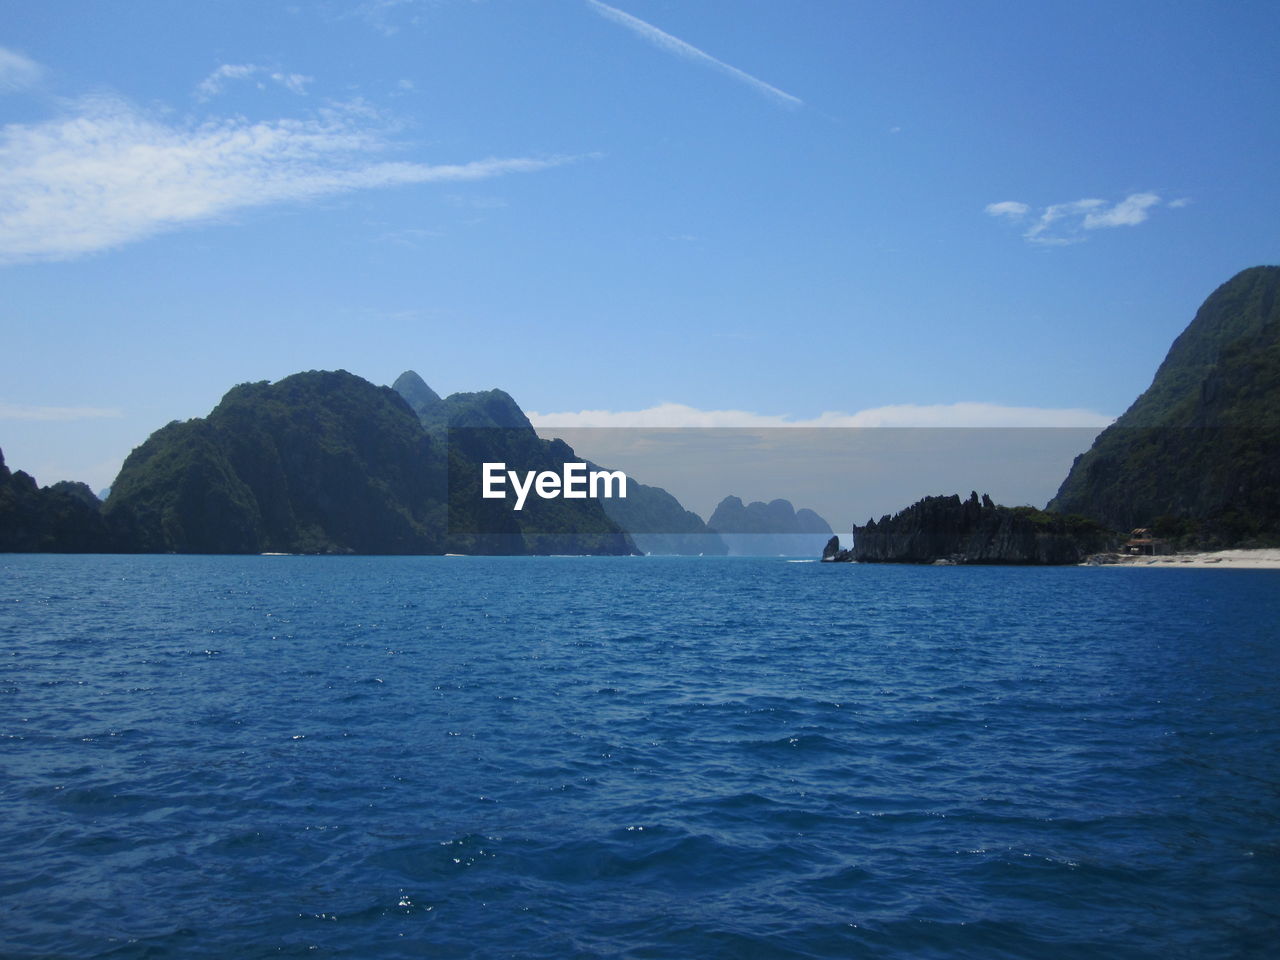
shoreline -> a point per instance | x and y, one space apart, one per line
1263 559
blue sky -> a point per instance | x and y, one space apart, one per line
780 208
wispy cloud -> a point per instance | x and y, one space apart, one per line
1129 212
1060 224
382 14
108 173
21 411
16 71
216 82
1008 208
666 41
669 415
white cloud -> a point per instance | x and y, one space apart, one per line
213 84
20 411
1039 232
1007 208
109 174
1179 203
1060 224
1129 212
16 71
379 14
216 82
293 82
666 41
670 415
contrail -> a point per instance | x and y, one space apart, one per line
666 41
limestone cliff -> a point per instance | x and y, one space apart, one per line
949 529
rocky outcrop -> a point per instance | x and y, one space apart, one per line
951 530
832 553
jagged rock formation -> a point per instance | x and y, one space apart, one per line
63 518
832 553
1197 456
952 530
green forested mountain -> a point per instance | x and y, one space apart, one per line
62 518
326 462
416 393
320 462
1197 456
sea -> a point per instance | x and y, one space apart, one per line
635 757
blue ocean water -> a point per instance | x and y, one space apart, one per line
635 757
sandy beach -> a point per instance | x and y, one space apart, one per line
1266 559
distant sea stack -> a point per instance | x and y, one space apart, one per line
776 527
1196 458
972 531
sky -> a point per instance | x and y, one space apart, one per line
708 212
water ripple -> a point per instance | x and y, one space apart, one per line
398 757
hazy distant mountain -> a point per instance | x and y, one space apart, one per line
776 527
655 519
421 398
776 516
1197 455
659 524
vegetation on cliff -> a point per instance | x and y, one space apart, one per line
320 462
1197 456
326 462
62 518
975 530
